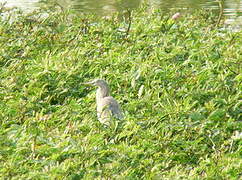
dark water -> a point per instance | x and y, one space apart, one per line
232 9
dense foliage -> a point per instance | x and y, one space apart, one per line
178 82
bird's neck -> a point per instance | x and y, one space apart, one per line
102 92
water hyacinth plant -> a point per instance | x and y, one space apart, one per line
178 82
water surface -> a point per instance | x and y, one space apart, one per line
232 9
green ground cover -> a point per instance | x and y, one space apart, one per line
179 85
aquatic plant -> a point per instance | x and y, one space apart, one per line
179 83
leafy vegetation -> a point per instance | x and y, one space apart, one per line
178 82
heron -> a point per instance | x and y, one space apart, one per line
107 106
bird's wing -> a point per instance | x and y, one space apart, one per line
111 104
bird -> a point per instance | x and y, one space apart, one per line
107 106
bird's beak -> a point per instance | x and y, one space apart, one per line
88 83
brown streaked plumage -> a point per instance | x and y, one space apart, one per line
107 106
